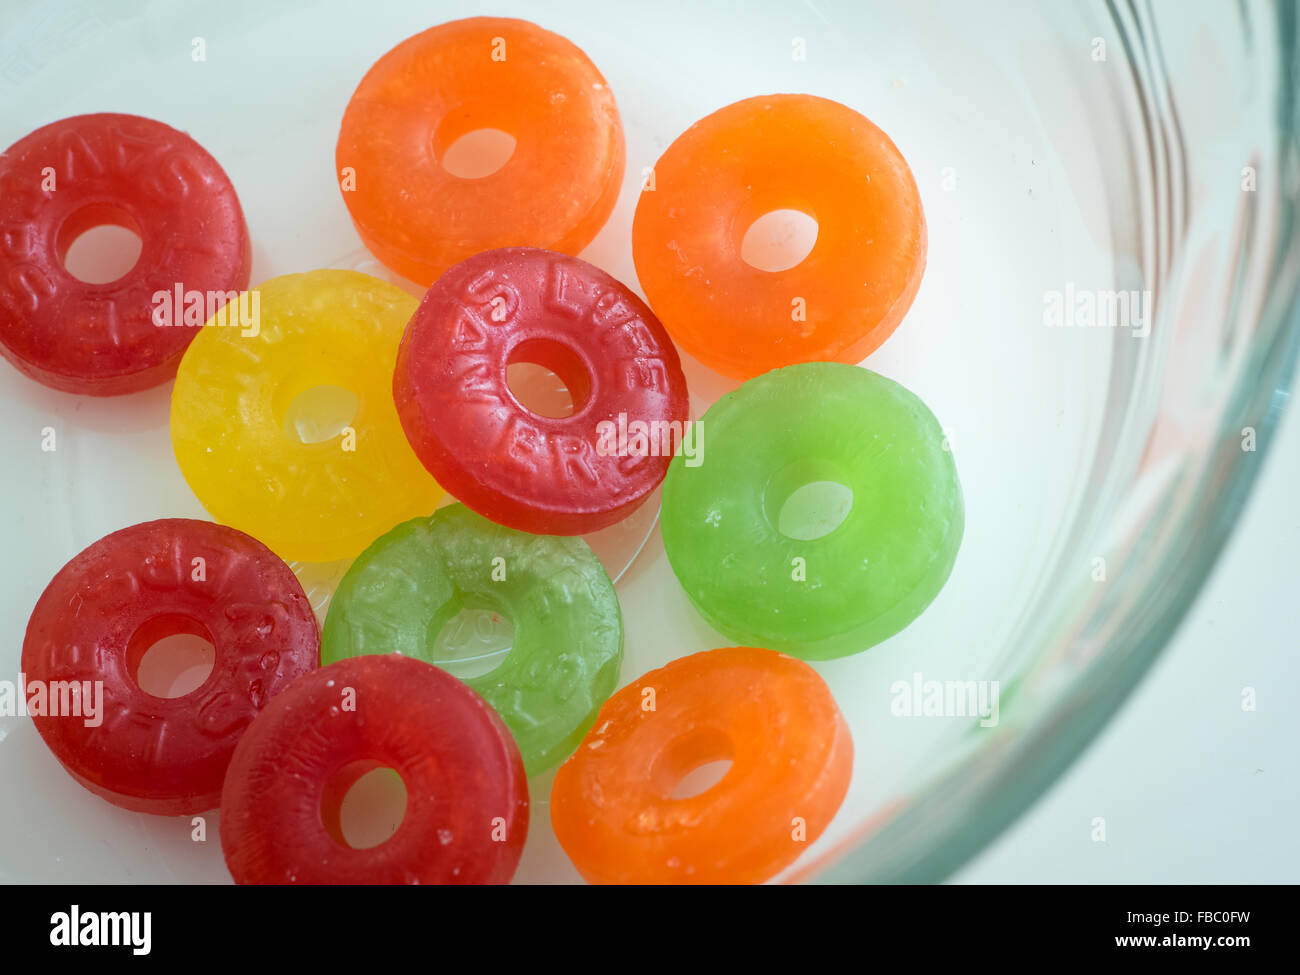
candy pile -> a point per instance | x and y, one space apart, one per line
292 715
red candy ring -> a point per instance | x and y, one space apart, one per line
110 604
467 798
124 170
552 476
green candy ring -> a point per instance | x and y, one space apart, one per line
568 642
867 578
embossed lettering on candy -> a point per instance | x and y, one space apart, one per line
545 475
83 172
108 606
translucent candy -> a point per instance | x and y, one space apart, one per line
549 475
466 796
121 170
108 606
770 715
235 400
568 631
852 587
776 152
557 188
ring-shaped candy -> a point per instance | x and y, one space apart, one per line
568 645
791 759
108 606
466 796
556 190
778 152
236 388
122 170
547 475
846 590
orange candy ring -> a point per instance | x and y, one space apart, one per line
780 152
555 191
791 759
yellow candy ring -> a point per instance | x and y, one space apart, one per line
241 433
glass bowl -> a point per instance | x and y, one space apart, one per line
1106 329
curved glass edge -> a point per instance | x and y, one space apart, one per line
938 831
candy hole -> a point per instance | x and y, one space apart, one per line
807 500
547 379
478 153
103 254
814 510
539 390
701 779
692 764
779 240
170 656
320 413
363 804
474 641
